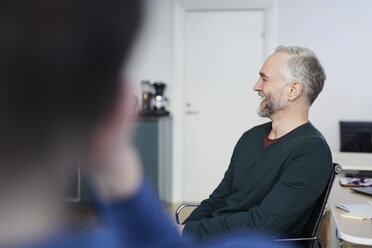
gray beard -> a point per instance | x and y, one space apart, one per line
270 107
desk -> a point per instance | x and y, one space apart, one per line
353 231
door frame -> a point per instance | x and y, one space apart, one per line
180 8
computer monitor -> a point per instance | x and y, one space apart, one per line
356 136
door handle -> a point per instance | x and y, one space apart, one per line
190 112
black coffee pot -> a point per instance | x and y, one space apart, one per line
154 103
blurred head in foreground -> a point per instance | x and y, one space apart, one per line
60 64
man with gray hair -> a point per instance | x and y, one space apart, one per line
279 169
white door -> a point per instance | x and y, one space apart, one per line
223 55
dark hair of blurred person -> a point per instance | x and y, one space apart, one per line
60 63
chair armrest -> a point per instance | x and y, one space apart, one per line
295 239
182 207
315 239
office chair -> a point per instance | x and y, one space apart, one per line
309 235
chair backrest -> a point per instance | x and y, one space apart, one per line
312 227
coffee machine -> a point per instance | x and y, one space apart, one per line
160 102
154 103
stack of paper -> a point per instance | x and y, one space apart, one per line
357 211
356 182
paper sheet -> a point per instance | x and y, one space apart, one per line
357 211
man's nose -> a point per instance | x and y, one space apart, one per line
258 85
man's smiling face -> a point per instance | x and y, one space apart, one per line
271 85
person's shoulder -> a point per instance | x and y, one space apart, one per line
255 133
312 143
259 129
313 137
308 141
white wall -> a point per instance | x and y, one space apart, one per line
339 31
152 60
152 56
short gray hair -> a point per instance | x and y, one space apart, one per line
305 68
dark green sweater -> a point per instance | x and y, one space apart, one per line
271 190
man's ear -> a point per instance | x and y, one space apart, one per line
295 90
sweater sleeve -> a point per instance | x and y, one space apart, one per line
218 197
215 201
301 183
